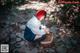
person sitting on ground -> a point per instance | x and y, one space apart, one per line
34 29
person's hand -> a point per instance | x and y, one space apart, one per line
46 30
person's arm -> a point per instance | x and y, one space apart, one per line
39 32
45 29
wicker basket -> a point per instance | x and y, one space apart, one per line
48 42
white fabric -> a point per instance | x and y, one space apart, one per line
34 24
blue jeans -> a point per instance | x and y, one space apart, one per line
30 36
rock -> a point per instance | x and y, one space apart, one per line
22 27
60 49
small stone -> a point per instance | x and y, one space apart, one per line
18 39
22 27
